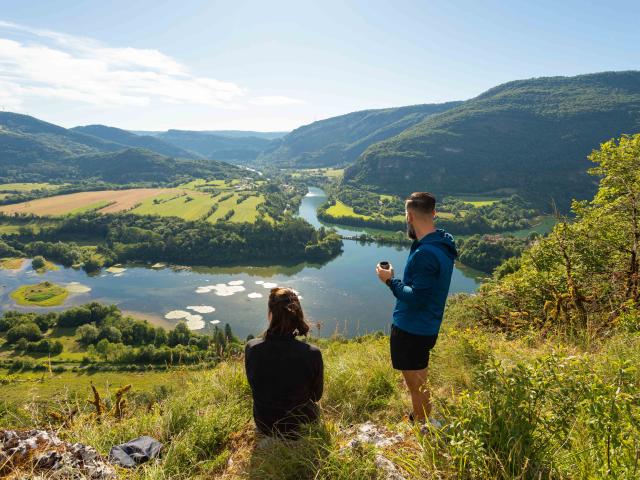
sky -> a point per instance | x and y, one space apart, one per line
277 65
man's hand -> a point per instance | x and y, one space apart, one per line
384 274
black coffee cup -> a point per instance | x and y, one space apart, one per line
385 265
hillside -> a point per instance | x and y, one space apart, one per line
35 151
223 147
535 376
128 139
339 140
530 136
223 133
140 165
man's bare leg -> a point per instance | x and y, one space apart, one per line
416 381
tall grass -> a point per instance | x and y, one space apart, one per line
512 408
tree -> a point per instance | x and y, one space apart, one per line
619 195
110 333
102 348
38 262
180 335
27 330
88 334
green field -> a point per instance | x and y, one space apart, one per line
53 387
217 184
45 294
190 205
341 209
91 207
479 200
26 187
191 201
247 210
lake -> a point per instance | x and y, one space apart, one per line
343 295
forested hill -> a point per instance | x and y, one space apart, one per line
129 139
17 129
228 147
339 140
33 150
530 136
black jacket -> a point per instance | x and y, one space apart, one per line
286 379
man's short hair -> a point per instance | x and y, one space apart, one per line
423 202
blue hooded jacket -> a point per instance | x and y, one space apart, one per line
422 293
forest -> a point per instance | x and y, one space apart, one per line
126 237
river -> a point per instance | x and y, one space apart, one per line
343 295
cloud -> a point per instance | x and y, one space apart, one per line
37 63
275 101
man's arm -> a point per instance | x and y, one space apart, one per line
417 293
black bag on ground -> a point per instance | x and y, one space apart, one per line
135 452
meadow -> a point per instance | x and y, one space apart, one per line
198 199
512 408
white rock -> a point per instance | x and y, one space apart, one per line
214 322
202 308
176 314
76 287
115 269
269 285
254 295
259 282
236 282
194 322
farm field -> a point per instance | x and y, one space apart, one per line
243 212
187 204
71 203
341 209
190 201
478 200
26 187
331 173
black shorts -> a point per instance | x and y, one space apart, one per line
409 351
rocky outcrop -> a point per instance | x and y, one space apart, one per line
40 454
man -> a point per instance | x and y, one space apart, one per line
420 298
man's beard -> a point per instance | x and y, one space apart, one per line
411 232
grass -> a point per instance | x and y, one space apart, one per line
247 210
51 388
341 209
189 205
26 187
186 202
217 184
12 263
478 200
91 207
45 294
330 173
543 225
11 226
118 200
513 408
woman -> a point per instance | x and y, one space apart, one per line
285 374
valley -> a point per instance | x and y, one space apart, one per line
135 264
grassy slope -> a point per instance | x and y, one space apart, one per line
206 421
177 205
